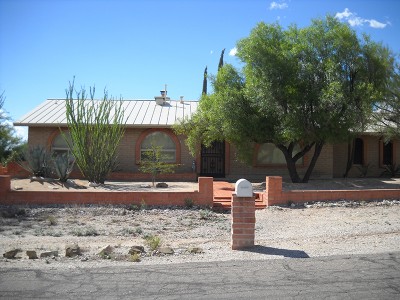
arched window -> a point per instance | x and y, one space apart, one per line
269 154
358 158
59 145
159 139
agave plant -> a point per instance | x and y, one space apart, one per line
37 161
63 165
391 170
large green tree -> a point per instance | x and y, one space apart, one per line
299 87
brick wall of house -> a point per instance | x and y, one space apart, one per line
323 168
372 157
126 151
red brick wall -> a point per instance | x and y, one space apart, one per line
202 197
274 195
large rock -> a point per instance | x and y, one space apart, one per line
195 250
161 185
165 250
107 252
136 250
32 254
11 254
72 250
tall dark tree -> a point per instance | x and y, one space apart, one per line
221 60
205 82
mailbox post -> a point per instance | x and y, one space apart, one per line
243 215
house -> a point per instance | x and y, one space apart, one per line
153 119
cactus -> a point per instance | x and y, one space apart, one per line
63 164
37 161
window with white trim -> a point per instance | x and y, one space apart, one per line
159 139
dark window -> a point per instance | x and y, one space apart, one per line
388 153
358 151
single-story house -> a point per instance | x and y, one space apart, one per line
154 118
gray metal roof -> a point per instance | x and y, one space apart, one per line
138 113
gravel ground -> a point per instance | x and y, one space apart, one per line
310 230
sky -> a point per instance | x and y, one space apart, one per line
134 48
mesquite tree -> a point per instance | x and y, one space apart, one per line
96 128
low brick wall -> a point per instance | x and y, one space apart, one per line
202 197
274 195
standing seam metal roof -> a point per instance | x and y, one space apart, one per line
138 113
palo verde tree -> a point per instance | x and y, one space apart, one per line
299 90
96 128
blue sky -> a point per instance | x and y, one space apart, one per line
136 47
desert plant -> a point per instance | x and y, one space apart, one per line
364 170
96 129
52 220
154 162
37 161
189 202
134 257
153 241
205 214
391 170
63 164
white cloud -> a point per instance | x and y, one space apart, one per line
233 51
375 24
276 5
344 15
354 20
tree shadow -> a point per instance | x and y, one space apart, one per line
276 251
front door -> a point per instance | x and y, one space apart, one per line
213 160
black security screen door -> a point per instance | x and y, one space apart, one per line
213 160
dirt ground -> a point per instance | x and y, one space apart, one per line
194 234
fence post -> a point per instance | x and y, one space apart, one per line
5 186
243 213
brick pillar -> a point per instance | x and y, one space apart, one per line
206 189
273 190
243 222
5 186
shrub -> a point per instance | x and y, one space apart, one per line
153 241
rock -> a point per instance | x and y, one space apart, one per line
166 250
195 250
136 250
106 252
11 254
161 185
49 254
145 186
72 250
18 188
32 254
93 184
